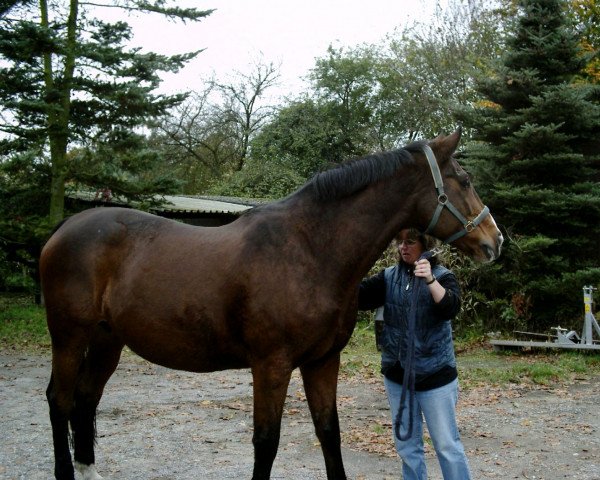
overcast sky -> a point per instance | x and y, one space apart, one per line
288 32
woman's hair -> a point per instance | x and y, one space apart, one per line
427 241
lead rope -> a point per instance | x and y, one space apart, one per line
408 381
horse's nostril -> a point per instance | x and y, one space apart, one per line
490 252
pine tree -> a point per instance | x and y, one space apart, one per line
74 97
537 163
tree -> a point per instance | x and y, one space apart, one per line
537 166
378 97
586 14
73 95
429 69
195 143
243 111
344 84
208 137
302 137
408 86
69 78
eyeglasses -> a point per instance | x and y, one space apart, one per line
408 242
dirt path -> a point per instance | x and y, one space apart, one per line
158 424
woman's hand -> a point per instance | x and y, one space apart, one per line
423 270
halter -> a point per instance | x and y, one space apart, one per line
443 201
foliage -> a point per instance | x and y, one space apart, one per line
74 97
537 166
14 275
24 201
344 84
429 69
302 137
206 139
379 97
585 15
258 180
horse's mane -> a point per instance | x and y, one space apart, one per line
354 175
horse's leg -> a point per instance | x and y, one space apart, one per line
320 385
67 356
100 363
270 384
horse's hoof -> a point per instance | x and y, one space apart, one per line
87 472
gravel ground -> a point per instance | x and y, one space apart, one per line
158 424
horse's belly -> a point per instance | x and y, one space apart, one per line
183 349
178 358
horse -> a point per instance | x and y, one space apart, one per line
273 291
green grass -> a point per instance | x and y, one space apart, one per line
484 366
360 357
22 323
479 365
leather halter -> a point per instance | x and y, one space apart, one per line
443 201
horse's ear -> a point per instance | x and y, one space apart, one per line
444 146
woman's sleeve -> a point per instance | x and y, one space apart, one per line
449 305
371 292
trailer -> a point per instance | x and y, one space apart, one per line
564 339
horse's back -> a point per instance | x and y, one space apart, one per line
91 228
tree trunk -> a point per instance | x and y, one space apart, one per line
59 110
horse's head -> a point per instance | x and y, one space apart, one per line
455 213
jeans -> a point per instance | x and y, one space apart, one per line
438 406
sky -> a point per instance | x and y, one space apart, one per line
289 33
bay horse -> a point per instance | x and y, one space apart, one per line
272 291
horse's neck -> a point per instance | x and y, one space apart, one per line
351 233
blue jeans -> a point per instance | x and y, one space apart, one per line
438 406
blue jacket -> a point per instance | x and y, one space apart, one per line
434 348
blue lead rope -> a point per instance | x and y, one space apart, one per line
408 381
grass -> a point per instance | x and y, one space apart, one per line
360 357
23 326
485 367
479 365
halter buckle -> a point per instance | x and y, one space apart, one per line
442 199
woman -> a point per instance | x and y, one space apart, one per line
436 376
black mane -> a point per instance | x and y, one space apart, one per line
351 177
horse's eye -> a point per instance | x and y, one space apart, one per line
465 180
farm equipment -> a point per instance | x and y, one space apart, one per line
564 338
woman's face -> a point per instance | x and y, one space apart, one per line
409 247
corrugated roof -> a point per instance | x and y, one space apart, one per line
175 203
205 205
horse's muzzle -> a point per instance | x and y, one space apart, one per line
492 252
